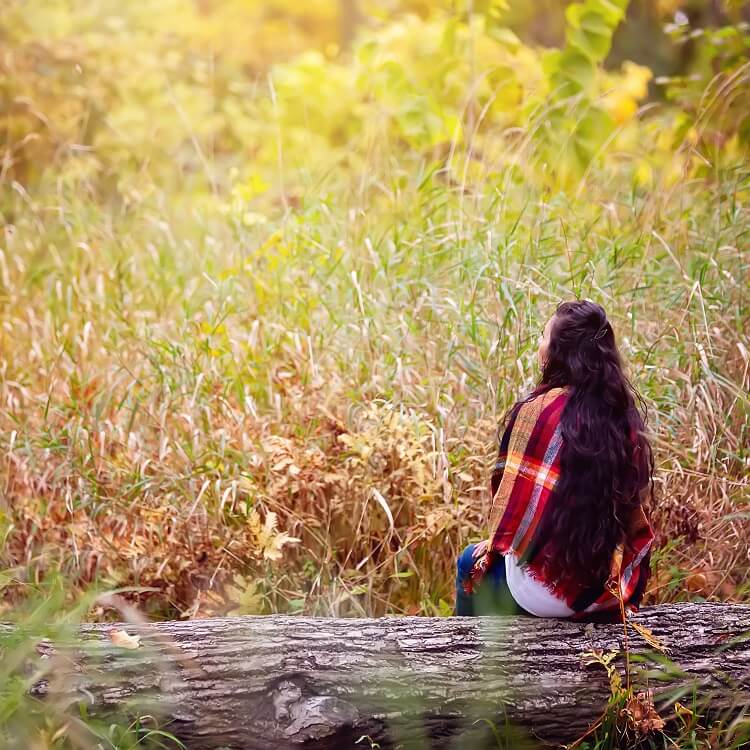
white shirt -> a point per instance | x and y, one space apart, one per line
531 594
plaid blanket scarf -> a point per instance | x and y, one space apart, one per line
523 489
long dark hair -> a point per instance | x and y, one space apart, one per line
606 459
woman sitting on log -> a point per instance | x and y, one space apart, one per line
568 534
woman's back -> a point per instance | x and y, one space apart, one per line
572 468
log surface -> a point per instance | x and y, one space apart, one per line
250 683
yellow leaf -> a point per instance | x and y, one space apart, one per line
246 595
251 218
272 550
636 79
121 639
644 175
649 637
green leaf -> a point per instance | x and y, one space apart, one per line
505 37
612 11
589 31
575 73
594 46
592 131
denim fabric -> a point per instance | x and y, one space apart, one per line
491 597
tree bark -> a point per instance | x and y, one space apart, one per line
348 22
250 683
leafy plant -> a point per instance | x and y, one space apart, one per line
32 641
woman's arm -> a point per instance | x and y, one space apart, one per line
525 473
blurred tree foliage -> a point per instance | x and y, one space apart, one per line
109 92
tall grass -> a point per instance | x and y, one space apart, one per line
39 645
174 375
257 338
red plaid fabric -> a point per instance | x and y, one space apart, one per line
523 489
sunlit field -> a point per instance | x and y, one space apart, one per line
271 276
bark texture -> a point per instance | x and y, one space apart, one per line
250 683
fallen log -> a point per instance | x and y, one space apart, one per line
250 683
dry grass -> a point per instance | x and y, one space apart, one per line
256 341
346 374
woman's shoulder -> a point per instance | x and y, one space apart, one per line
555 393
544 405
538 401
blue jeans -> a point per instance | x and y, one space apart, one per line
491 596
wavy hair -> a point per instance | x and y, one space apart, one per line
606 459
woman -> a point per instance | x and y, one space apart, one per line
568 534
